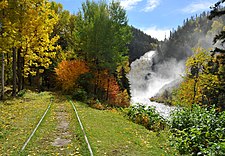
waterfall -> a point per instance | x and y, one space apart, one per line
146 79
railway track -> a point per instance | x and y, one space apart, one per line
43 117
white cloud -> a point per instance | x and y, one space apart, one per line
151 5
129 4
158 33
197 6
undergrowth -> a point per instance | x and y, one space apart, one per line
198 131
146 116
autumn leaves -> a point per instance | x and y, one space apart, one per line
100 47
38 34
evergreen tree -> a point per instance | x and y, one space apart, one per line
218 52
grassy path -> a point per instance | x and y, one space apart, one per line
108 131
57 134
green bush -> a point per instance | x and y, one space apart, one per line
198 131
80 95
21 93
146 116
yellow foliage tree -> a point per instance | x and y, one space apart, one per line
26 29
201 83
38 46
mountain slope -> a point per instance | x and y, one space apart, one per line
140 44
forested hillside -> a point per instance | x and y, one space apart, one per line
197 31
198 42
140 44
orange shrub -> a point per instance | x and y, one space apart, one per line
69 71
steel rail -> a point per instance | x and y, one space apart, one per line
81 126
25 144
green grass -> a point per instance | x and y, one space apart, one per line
108 131
41 144
112 134
18 117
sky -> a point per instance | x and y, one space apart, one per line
154 17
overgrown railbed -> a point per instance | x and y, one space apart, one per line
59 133
109 132
18 118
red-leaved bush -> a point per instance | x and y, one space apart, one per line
114 95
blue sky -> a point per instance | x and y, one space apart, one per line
154 17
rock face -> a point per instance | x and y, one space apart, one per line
169 87
165 93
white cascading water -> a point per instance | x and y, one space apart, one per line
145 83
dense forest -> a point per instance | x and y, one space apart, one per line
84 53
197 31
38 45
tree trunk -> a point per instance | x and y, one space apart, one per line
38 81
30 79
95 86
97 83
23 83
7 74
19 69
97 78
3 76
23 80
107 94
14 72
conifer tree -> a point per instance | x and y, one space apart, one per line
218 52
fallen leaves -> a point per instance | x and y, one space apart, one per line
17 119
